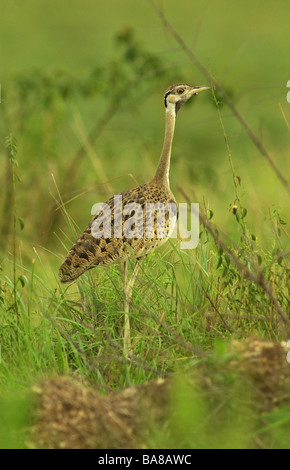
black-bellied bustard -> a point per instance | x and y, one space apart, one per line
133 223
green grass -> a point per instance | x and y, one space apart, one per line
107 87
182 303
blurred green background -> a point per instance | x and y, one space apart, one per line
70 66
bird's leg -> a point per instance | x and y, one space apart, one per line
127 340
128 285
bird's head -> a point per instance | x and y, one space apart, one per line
176 95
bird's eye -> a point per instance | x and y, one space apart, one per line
180 91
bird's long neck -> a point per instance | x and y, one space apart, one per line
162 173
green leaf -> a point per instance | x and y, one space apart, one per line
21 223
225 271
282 222
220 262
244 213
21 280
228 261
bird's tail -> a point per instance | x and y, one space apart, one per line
68 273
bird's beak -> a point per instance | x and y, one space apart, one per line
194 91
197 89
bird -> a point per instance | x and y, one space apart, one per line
105 240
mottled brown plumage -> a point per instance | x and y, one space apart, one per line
89 251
